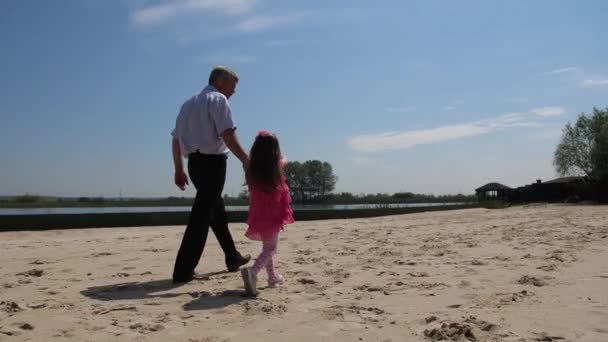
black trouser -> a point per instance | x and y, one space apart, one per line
207 174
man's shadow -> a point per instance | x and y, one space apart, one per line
202 300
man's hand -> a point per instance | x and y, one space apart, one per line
181 180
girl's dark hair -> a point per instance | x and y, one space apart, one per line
264 169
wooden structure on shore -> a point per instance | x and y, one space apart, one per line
493 191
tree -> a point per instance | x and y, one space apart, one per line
243 195
310 181
583 149
296 180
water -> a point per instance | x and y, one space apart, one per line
108 210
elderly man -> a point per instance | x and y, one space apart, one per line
204 133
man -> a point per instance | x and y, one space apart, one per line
204 133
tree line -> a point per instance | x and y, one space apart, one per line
583 148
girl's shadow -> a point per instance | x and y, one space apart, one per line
208 301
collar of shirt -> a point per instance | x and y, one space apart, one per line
209 88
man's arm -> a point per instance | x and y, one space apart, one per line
180 176
235 147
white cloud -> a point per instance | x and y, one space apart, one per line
512 117
408 139
397 109
152 15
448 108
393 141
262 23
549 111
594 82
170 8
563 70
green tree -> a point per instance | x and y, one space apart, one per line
296 180
310 181
583 149
243 195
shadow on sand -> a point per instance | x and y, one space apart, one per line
202 300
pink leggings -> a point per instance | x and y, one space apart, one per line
264 260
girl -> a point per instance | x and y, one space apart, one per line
269 207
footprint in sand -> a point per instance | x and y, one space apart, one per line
546 337
536 281
39 262
355 313
418 274
368 288
338 274
164 318
10 306
311 285
36 305
9 332
146 328
429 286
97 255
24 326
31 273
547 268
404 262
121 275
306 281
307 261
476 263
258 308
155 250
500 299
469 329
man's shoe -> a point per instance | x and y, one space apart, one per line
183 280
242 260
250 281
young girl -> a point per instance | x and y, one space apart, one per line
269 207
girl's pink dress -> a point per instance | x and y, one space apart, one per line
269 211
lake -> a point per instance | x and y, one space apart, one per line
108 210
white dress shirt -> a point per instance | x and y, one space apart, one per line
201 121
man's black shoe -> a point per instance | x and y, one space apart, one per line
242 260
183 280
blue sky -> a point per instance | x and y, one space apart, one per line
423 96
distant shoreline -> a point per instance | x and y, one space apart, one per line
179 203
76 221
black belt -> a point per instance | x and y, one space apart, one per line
198 154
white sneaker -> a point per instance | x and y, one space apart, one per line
250 281
277 282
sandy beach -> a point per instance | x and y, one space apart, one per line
531 273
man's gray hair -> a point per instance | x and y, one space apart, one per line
222 72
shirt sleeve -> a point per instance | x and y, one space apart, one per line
177 131
220 112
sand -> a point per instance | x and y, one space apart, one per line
531 273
